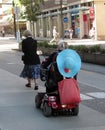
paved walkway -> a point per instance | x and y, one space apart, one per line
93 67
78 41
17 110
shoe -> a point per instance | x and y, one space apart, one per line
28 85
36 88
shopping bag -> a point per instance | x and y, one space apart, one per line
69 91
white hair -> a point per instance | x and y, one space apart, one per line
62 45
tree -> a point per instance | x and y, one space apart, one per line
32 8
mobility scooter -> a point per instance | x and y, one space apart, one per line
50 102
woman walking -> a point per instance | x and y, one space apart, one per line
31 60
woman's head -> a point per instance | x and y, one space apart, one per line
62 45
27 33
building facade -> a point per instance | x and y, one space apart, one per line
81 15
10 20
5 15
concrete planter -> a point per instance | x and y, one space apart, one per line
93 58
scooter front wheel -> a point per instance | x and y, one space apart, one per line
37 101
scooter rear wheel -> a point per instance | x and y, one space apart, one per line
75 111
47 110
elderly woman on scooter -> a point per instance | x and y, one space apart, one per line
53 75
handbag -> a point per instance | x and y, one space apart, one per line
69 91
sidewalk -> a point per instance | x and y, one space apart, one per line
17 110
71 42
93 68
17 106
77 41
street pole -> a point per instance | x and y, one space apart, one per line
14 19
17 12
33 27
60 3
62 28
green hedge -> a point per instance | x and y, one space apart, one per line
47 49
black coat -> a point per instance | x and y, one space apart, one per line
29 48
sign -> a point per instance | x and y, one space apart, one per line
16 10
84 17
58 2
64 2
65 19
91 11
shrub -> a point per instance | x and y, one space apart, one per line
94 49
102 51
79 48
46 45
47 49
